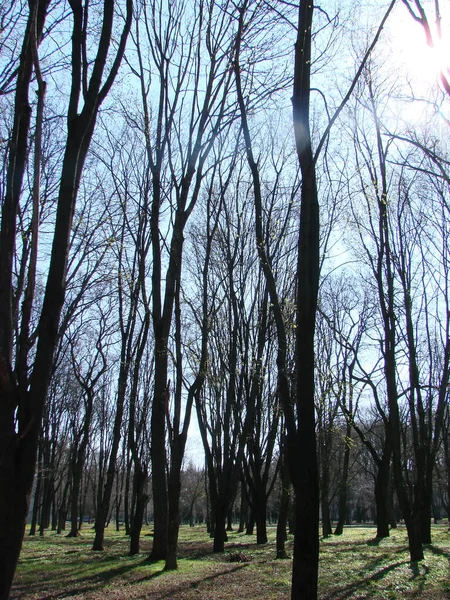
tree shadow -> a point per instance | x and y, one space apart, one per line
195 585
346 591
85 584
418 575
438 551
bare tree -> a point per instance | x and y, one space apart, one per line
299 409
23 406
88 367
183 46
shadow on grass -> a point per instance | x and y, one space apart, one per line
195 585
437 551
84 584
199 551
360 584
418 576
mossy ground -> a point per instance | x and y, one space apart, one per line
352 566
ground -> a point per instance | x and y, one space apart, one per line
352 566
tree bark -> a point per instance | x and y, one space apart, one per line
18 450
304 472
382 490
140 485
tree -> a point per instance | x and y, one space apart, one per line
23 403
184 46
129 242
299 409
222 410
88 367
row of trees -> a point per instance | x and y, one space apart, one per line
54 506
183 271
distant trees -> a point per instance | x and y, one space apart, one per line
400 248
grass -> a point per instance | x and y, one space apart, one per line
352 566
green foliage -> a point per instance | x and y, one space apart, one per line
352 566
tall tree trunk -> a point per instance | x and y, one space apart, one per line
243 512
18 456
126 502
325 486
105 492
105 488
304 472
284 503
47 493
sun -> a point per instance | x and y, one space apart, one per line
422 62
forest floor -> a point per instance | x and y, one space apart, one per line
352 566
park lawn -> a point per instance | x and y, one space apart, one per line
352 566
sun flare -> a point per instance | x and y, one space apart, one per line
422 62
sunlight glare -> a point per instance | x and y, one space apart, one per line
423 64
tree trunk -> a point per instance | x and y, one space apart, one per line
343 486
302 443
261 520
325 486
220 535
174 489
76 482
105 492
243 512
140 485
36 504
249 530
126 502
46 505
158 453
19 450
326 520
230 519
284 505
282 523
382 491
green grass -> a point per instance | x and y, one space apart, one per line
352 566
